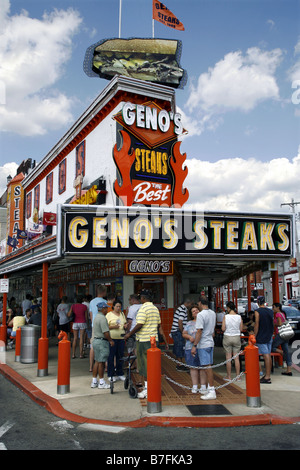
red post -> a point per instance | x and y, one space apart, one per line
249 292
43 341
252 373
18 345
275 286
63 367
153 378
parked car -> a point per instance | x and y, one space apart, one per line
293 316
293 303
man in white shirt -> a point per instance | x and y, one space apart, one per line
133 309
205 328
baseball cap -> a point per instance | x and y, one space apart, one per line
102 304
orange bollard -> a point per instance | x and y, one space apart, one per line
63 368
18 345
43 350
153 378
252 374
3 337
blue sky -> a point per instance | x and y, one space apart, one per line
239 105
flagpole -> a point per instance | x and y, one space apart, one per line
120 17
153 28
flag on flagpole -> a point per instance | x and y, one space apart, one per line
162 14
49 218
35 229
21 234
12 241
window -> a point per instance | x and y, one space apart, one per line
80 159
28 205
62 177
36 204
49 188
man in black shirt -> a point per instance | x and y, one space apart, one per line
263 330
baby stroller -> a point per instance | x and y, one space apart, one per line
128 383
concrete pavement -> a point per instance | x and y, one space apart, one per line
280 400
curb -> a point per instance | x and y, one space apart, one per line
53 406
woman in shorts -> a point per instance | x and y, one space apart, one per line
193 362
232 326
80 322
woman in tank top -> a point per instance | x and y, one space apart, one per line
232 327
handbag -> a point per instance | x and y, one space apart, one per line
285 331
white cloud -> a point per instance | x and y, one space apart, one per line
33 54
243 185
9 169
237 82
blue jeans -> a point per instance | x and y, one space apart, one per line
277 341
115 351
179 344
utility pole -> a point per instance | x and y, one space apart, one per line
292 204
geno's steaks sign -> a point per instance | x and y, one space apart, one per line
165 232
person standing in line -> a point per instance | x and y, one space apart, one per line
263 331
178 325
101 342
133 309
101 292
232 327
26 303
63 319
148 323
79 324
205 326
117 324
277 341
193 362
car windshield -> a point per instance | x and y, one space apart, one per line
291 311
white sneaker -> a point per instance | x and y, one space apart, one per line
143 394
104 385
94 384
210 395
114 379
195 389
122 377
203 391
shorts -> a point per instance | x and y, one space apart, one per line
79 326
265 348
65 327
232 344
190 360
206 356
141 354
101 350
179 343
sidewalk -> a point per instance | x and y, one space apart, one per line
280 400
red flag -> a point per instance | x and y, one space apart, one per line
162 14
49 218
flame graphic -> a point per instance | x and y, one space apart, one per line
180 195
124 161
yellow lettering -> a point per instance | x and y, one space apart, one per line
202 241
173 238
120 233
217 225
231 234
265 235
146 240
99 232
248 236
281 228
80 240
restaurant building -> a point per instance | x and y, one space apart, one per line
106 205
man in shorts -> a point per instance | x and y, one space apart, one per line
101 342
263 330
205 328
133 309
101 293
148 323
